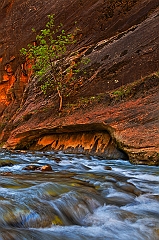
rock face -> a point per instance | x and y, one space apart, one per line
121 40
95 143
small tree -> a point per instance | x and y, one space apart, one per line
48 58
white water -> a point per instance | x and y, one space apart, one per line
79 199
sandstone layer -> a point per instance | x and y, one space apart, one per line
121 40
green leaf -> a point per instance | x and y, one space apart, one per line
48 58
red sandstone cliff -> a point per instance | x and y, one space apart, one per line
121 39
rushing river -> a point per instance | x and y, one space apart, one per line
82 198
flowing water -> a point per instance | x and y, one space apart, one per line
82 197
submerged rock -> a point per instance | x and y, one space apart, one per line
46 168
120 199
129 187
6 173
35 167
108 168
31 168
6 164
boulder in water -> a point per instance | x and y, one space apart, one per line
31 167
46 168
6 163
108 168
36 167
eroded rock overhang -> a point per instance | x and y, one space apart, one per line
92 139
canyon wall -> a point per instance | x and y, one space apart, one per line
94 143
121 40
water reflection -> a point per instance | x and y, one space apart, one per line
82 197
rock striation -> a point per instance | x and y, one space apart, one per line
120 89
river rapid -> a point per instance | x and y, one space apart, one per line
83 197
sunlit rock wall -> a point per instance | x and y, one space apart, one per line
95 143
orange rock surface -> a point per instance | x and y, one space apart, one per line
121 39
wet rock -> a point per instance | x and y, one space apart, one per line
6 164
129 187
28 219
108 168
110 179
155 197
119 199
126 215
36 168
31 168
84 167
57 160
6 173
118 176
157 233
46 168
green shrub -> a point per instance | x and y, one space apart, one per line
48 57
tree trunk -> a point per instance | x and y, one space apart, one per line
60 98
